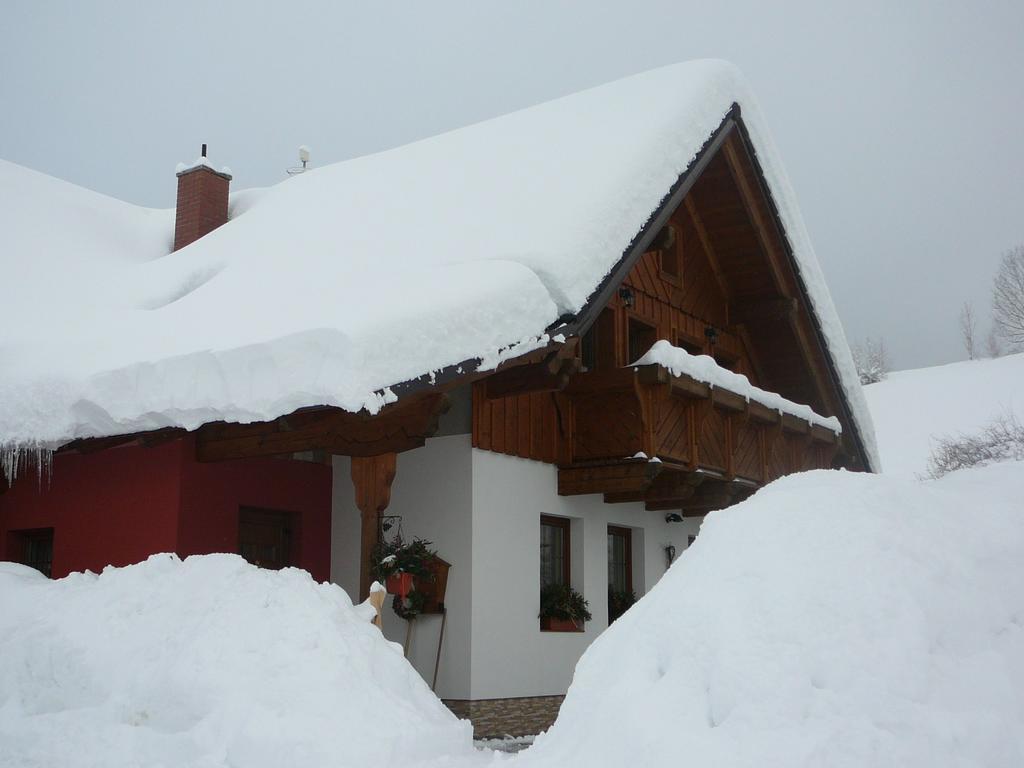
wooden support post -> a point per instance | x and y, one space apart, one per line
377 601
372 477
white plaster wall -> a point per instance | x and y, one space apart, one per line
432 491
511 656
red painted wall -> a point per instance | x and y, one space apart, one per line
112 507
119 506
213 493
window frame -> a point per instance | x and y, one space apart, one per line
597 345
565 524
673 277
689 343
290 529
627 534
31 536
636 317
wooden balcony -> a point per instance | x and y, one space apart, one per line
709 446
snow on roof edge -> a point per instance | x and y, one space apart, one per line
705 369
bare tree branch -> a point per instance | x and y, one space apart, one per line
968 328
1008 297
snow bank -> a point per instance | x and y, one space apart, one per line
703 368
353 277
206 662
911 409
833 619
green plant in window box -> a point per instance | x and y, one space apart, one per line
559 604
619 602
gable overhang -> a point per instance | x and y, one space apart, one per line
732 124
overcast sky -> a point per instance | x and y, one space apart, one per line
900 123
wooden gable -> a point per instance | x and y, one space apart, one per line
717 279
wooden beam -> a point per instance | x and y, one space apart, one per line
372 477
763 310
713 494
87 445
709 251
627 475
150 439
823 435
399 427
549 376
670 485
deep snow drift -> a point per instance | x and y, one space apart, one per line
206 662
911 409
334 285
833 619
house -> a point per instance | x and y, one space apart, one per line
548 343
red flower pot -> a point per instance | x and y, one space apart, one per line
550 624
399 584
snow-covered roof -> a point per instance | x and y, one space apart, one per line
339 283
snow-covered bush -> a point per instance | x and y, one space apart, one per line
871 360
1001 440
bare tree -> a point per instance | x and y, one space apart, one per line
968 328
1008 297
871 360
993 347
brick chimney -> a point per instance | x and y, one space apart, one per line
202 202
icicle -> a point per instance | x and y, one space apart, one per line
18 457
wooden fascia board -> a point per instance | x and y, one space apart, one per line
399 427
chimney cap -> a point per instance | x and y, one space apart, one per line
202 162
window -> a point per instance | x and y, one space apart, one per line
691 346
554 550
597 348
37 550
667 244
620 571
265 537
641 338
727 361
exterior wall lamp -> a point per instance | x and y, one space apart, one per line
627 296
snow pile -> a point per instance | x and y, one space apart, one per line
206 662
343 281
913 409
833 619
703 368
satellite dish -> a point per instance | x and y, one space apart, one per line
304 159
